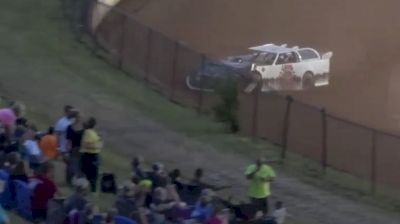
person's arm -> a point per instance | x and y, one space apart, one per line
142 216
173 193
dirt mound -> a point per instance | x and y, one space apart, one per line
362 34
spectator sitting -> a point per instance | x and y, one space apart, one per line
88 213
48 144
77 200
143 194
162 206
280 213
137 168
126 201
44 190
32 148
158 176
17 171
204 208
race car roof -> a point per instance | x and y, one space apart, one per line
273 48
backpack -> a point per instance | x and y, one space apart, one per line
108 184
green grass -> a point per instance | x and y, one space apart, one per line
36 44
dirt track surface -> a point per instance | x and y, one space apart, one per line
130 133
362 34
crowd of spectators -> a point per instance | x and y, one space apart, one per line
150 196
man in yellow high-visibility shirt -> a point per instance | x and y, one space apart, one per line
260 176
90 149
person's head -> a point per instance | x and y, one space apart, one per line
17 108
260 161
50 130
21 122
80 184
145 186
207 195
129 189
137 161
278 205
175 174
198 174
68 110
158 168
90 123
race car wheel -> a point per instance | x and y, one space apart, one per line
308 80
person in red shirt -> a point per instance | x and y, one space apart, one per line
44 190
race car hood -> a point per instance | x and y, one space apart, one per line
238 62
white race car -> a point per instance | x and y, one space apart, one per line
275 67
283 68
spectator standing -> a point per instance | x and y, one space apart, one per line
44 190
18 171
8 118
61 128
126 202
74 139
48 144
91 146
260 176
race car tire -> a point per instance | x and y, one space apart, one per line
308 80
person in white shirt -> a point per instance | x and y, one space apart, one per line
32 148
280 213
61 128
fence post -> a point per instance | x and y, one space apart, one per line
286 126
373 162
174 71
324 149
254 129
201 92
148 55
122 43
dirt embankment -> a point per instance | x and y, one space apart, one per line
362 34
